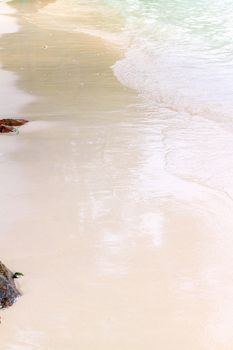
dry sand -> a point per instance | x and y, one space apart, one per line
111 260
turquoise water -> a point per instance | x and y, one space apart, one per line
181 54
203 22
177 53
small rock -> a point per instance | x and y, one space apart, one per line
8 289
13 122
4 129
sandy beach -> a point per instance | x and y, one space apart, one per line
119 250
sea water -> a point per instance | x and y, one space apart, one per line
178 52
178 56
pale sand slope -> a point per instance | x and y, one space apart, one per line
115 255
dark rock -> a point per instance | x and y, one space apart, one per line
6 129
13 122
8 289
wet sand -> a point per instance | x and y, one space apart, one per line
117 255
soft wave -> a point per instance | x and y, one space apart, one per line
177 54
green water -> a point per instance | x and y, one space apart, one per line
176 52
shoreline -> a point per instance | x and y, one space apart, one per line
9 79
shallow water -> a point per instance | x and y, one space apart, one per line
196 35
120 202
